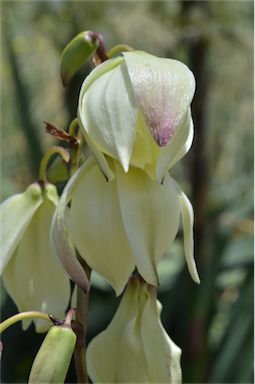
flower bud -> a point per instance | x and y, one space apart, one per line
75 54
31 275
136 109
135 348
54 356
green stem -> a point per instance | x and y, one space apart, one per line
119 48
22 316
75 152
82 317
72 127
45 160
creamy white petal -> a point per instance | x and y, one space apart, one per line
150 213
15 215
52 193
97 230
164 89
108 113
61 243
98 71
144 145
119 348
33 278
188 223
159 349
177 147
135 348
186 146
98 155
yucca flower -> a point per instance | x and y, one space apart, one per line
118 225
135 348
136 109
31 275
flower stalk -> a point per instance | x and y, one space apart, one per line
118 49
23 316
46 158
80 327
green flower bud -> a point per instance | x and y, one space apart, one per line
31 275
54 356
77 53
135 348
136 109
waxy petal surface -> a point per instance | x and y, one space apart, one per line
108 113
134 348
163 88
119 347
97 230
150 213
33 277
176 149
98 155
158 347
16 214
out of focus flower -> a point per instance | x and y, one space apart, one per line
135 348
117 225
31 275
136 109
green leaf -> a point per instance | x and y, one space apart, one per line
76 53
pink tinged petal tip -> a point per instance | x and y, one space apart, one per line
162 131
163 89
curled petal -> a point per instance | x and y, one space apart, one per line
16 214
187 216
60 238
97 230
164 89
107 111
150 213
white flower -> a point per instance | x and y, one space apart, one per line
117 225
135 348
136 109
31 276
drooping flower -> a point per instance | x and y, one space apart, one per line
31 275
126 222
136 109
135 348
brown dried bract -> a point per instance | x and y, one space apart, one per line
59 133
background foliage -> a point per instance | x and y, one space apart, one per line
213 322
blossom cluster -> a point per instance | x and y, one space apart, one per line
120 210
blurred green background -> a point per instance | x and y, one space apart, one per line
213 322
